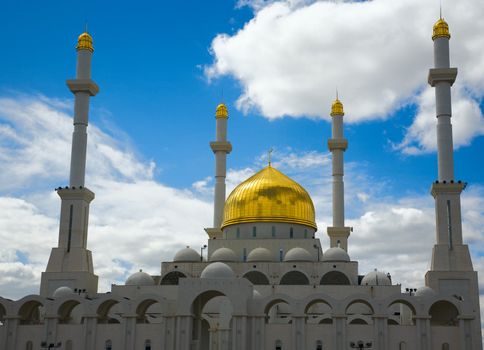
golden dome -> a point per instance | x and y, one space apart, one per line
221 111
441 30
84 42
269 196
337 108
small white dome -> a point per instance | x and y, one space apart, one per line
376 278
217 270
298 254
259 254
62 292
336 254
140 278
187 255
425 292
223 254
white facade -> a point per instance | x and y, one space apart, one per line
266 285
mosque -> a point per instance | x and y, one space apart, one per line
266 283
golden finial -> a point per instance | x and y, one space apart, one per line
337 107
221 111
269 155
441 28
84 42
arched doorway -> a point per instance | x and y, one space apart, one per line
444 313
70 312
149 311
359 312
109 312
401 312
278 311
31 312
212 312
318 312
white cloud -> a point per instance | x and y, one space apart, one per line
467 122
35 144
257 5
293 54
131 210
298 161
203 186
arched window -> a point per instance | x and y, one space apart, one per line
148 344
273 231
278 345
254 231
294 278
244 257
172 278
306 236
338 243
402 346
108 345
335 278
281 254
29 345
445 346
256 277
238 232
358 321
291 233
69 345
319 345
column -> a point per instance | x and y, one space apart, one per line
299 332
339 328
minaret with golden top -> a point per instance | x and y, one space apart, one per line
451 271
220 147
446 190
70 263
337 145
83 88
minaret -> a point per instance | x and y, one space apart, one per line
337 145
70 263
220 147
451 272
449 252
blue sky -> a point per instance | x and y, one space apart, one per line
149 62
164 66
